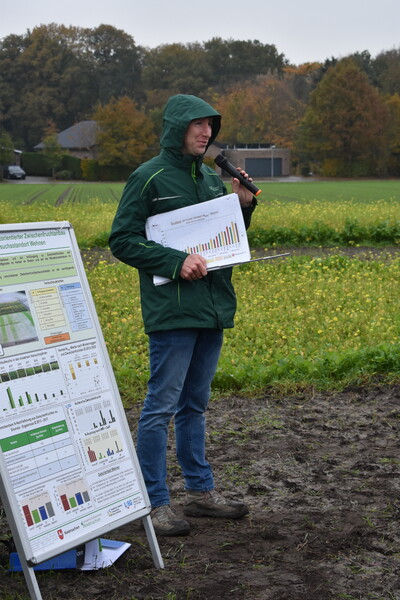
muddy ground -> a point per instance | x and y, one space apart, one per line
92 257
320 473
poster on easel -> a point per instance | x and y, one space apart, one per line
69 471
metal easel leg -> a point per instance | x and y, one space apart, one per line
152 539
30 578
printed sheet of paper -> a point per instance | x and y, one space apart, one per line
215 229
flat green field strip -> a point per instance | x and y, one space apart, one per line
306 213
89 208
327 213
358 191
60 193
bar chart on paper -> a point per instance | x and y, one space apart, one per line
222 243
215 229
220 237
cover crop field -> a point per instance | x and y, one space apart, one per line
310 320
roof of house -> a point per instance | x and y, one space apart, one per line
80 135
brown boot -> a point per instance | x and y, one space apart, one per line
212 504
165 522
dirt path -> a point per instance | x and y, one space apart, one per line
93 256
321 475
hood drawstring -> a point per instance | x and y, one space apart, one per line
194 176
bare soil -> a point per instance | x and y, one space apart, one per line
320 473
92 257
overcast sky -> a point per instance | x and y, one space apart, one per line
303 30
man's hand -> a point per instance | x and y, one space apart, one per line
194 267
245 196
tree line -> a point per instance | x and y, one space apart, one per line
339 118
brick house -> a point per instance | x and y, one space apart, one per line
259 160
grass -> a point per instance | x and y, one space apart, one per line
90 208
367 191
60 193
300 321
311 213
328 213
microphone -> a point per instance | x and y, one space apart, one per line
227 166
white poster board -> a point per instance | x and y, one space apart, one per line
69 471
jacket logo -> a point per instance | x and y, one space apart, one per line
165 198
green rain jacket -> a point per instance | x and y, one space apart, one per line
169 181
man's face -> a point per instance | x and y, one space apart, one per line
197 136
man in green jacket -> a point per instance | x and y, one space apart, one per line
184 319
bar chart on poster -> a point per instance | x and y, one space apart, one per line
83 368
68 466
30 380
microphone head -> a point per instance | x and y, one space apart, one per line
228 167
220 160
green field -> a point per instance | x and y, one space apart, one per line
54 194
89 208
301 321
309 213
368 191
328 213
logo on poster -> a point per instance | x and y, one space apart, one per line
115 510
60 534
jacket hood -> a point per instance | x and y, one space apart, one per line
178 112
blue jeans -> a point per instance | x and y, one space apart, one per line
182 365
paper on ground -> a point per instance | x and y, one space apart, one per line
100 553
